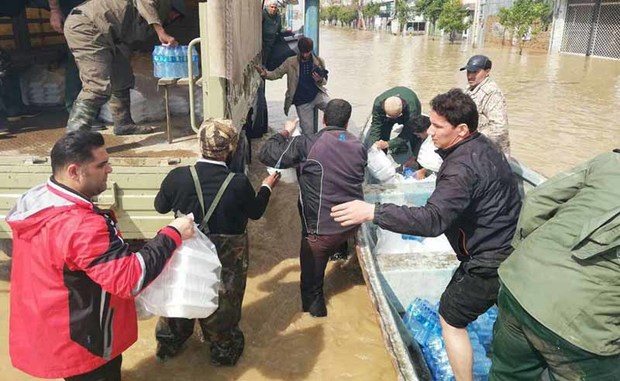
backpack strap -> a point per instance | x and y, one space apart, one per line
203 224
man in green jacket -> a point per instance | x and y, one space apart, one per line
559 306
395 105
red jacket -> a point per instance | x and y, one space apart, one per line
73 281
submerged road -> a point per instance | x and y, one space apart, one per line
562 110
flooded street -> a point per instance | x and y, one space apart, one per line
562 110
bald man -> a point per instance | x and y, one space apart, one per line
393 106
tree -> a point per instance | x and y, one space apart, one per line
347 14
452 19
402 13
524 16
431 9
370 11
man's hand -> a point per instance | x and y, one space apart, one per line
185 226
291 125
353 213
167 40
261 70
164 38
420 174
57 20
382 144
272 180
316 77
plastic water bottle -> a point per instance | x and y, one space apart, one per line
195 62
158 61
182 61
409 237
166 59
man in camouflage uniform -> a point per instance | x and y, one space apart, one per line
99 34
491 103
226 227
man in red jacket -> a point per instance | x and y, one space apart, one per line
74 279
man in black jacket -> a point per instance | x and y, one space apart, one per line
476 204
227 229
330 169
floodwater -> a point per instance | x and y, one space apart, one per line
562 110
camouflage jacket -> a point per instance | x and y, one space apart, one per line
491 105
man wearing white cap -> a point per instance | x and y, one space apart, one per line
490 101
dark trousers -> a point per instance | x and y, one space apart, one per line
110 371
313 257
523 349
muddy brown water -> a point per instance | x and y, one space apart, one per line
562 110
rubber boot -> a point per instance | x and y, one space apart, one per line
83 115
123 124
318 308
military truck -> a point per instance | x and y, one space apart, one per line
230 45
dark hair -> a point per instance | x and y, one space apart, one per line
418 124
457 107
75 147
305 45
337 113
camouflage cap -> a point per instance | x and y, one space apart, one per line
217 138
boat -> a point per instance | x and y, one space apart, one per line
394 279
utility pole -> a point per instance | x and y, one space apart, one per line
311 30
476 25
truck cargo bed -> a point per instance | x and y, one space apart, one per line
139 163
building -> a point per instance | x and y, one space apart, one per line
587 27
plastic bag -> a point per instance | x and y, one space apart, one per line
427 157
189 284
380 165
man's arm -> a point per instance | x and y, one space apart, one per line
289 151
57 19
277 73
163 199
378 117
148 9
543 202
494 120
107 260
451 197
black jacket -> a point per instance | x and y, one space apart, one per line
330 170
476 203
239 202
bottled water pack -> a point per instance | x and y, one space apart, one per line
422 321
171 62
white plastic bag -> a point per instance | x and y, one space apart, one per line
381 167
427 157
188 286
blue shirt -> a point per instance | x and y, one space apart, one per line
306 87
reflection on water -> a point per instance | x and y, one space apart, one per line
562 109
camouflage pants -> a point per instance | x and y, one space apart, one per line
104 67
222 328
